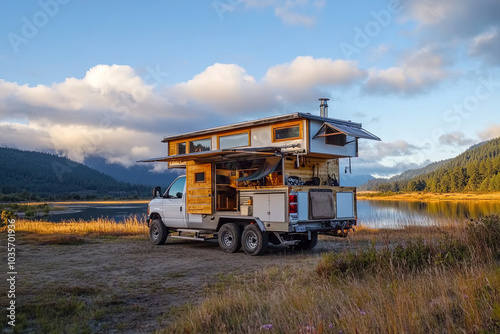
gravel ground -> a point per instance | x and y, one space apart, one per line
139 285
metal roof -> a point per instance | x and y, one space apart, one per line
262 121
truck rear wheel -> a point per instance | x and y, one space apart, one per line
158 232
307 245
254 241
229 238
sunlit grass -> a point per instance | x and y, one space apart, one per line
293 301
412 280
95 227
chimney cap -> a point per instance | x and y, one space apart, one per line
324 99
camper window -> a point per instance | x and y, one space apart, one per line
200 145
234 140
181 148
287 132
335 138
199 177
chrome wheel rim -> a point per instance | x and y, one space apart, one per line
227 239
155 233
252 240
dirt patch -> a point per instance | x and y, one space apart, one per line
128 285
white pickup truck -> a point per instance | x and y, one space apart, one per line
287 215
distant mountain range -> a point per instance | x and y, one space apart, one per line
476 169
404 176
137 174
26 175
348 180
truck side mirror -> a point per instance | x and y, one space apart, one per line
157 191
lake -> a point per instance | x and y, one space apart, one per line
372 213
394 214
87 211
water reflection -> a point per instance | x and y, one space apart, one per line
392 214
117 212
373 213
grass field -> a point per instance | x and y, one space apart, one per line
412 280
435 281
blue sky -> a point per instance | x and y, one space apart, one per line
111 78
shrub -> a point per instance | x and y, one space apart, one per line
6 216
483 235
404 258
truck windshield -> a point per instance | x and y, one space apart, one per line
176 189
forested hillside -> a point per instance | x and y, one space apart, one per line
403 177
477 169
28 175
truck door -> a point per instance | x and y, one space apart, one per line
174 214
199 188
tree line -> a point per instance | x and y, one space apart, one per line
26 175
475 170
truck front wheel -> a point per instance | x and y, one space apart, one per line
229 238
254 241
158 232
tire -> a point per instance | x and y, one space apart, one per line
254 241
307 245
229 237
158 232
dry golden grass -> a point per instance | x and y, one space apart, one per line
292 301
443 295
94 227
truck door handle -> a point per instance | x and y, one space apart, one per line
180 208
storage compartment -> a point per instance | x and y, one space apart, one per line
345 205
269 207
321 204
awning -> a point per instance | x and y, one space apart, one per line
265 169
216 154
353 131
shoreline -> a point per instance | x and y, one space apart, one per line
428 197
126 201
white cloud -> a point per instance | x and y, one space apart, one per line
224 86
487 46
455 23
418 72
292 12
381 150
493 131
307 72
430 12
455 138
24 137
112 113
229 88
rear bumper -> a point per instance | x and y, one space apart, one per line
324 226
